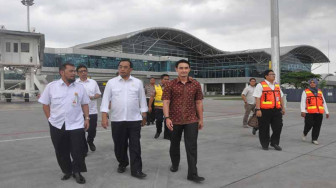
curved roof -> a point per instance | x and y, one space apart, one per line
202 47
165 33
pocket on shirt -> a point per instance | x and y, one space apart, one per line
56 100
133 92
116 92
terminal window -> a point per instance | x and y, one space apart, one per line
24 47
16 47
8 46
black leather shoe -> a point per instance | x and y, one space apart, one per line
196 178
174 168
157 135
254 131
79 178
92 146
66 177
276 147
139 175
265 148
121 169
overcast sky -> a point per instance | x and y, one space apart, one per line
228 25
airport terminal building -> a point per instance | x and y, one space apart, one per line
154 51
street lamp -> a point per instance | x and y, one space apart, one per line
28 3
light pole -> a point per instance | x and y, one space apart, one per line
28 3
275 39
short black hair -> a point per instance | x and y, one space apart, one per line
81 66
164 75
181 61
266 72
130 62
252 79
63 66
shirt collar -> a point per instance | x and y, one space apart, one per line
120 78
269 83
79 80
61 82
179 80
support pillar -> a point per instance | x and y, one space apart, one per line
2 79
223 89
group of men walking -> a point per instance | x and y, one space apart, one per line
70 106
266 100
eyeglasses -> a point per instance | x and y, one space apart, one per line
83 71
271 74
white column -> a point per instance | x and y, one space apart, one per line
275 39
28 81
223 89
2 79
32 73
202 87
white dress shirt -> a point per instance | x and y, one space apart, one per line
303 103
65 104
248 92
128 99
92 89
258 90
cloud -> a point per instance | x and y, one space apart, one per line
228 25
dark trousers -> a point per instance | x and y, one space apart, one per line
92 131
124 134
190 141
159 121
273 118
66 143
150 116
313 121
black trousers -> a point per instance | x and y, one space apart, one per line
66 143
190 141
313 121
159 121
92 131
273 118
150 116
124 134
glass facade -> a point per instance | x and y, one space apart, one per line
218 64
55 60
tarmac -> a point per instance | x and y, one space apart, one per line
228 154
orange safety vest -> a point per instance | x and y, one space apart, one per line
270 98
314 104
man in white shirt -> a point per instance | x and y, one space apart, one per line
92 89
269 110
249 100
312 108
128 114
64 102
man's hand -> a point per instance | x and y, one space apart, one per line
169 124
200 124
303 114
104 122
327 116
283 111
86 124
144 121
258 113
150 109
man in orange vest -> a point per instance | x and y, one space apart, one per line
269 110
313 106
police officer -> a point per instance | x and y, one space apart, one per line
313 106
64 102
158 105
269 110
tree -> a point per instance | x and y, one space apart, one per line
298 79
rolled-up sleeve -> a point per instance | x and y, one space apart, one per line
85 98
303 102
258 91
142 97
104 107
45 98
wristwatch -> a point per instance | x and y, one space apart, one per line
257 109
166 118
87 118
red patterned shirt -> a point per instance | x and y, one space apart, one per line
182 108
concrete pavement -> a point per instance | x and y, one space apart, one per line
229 155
